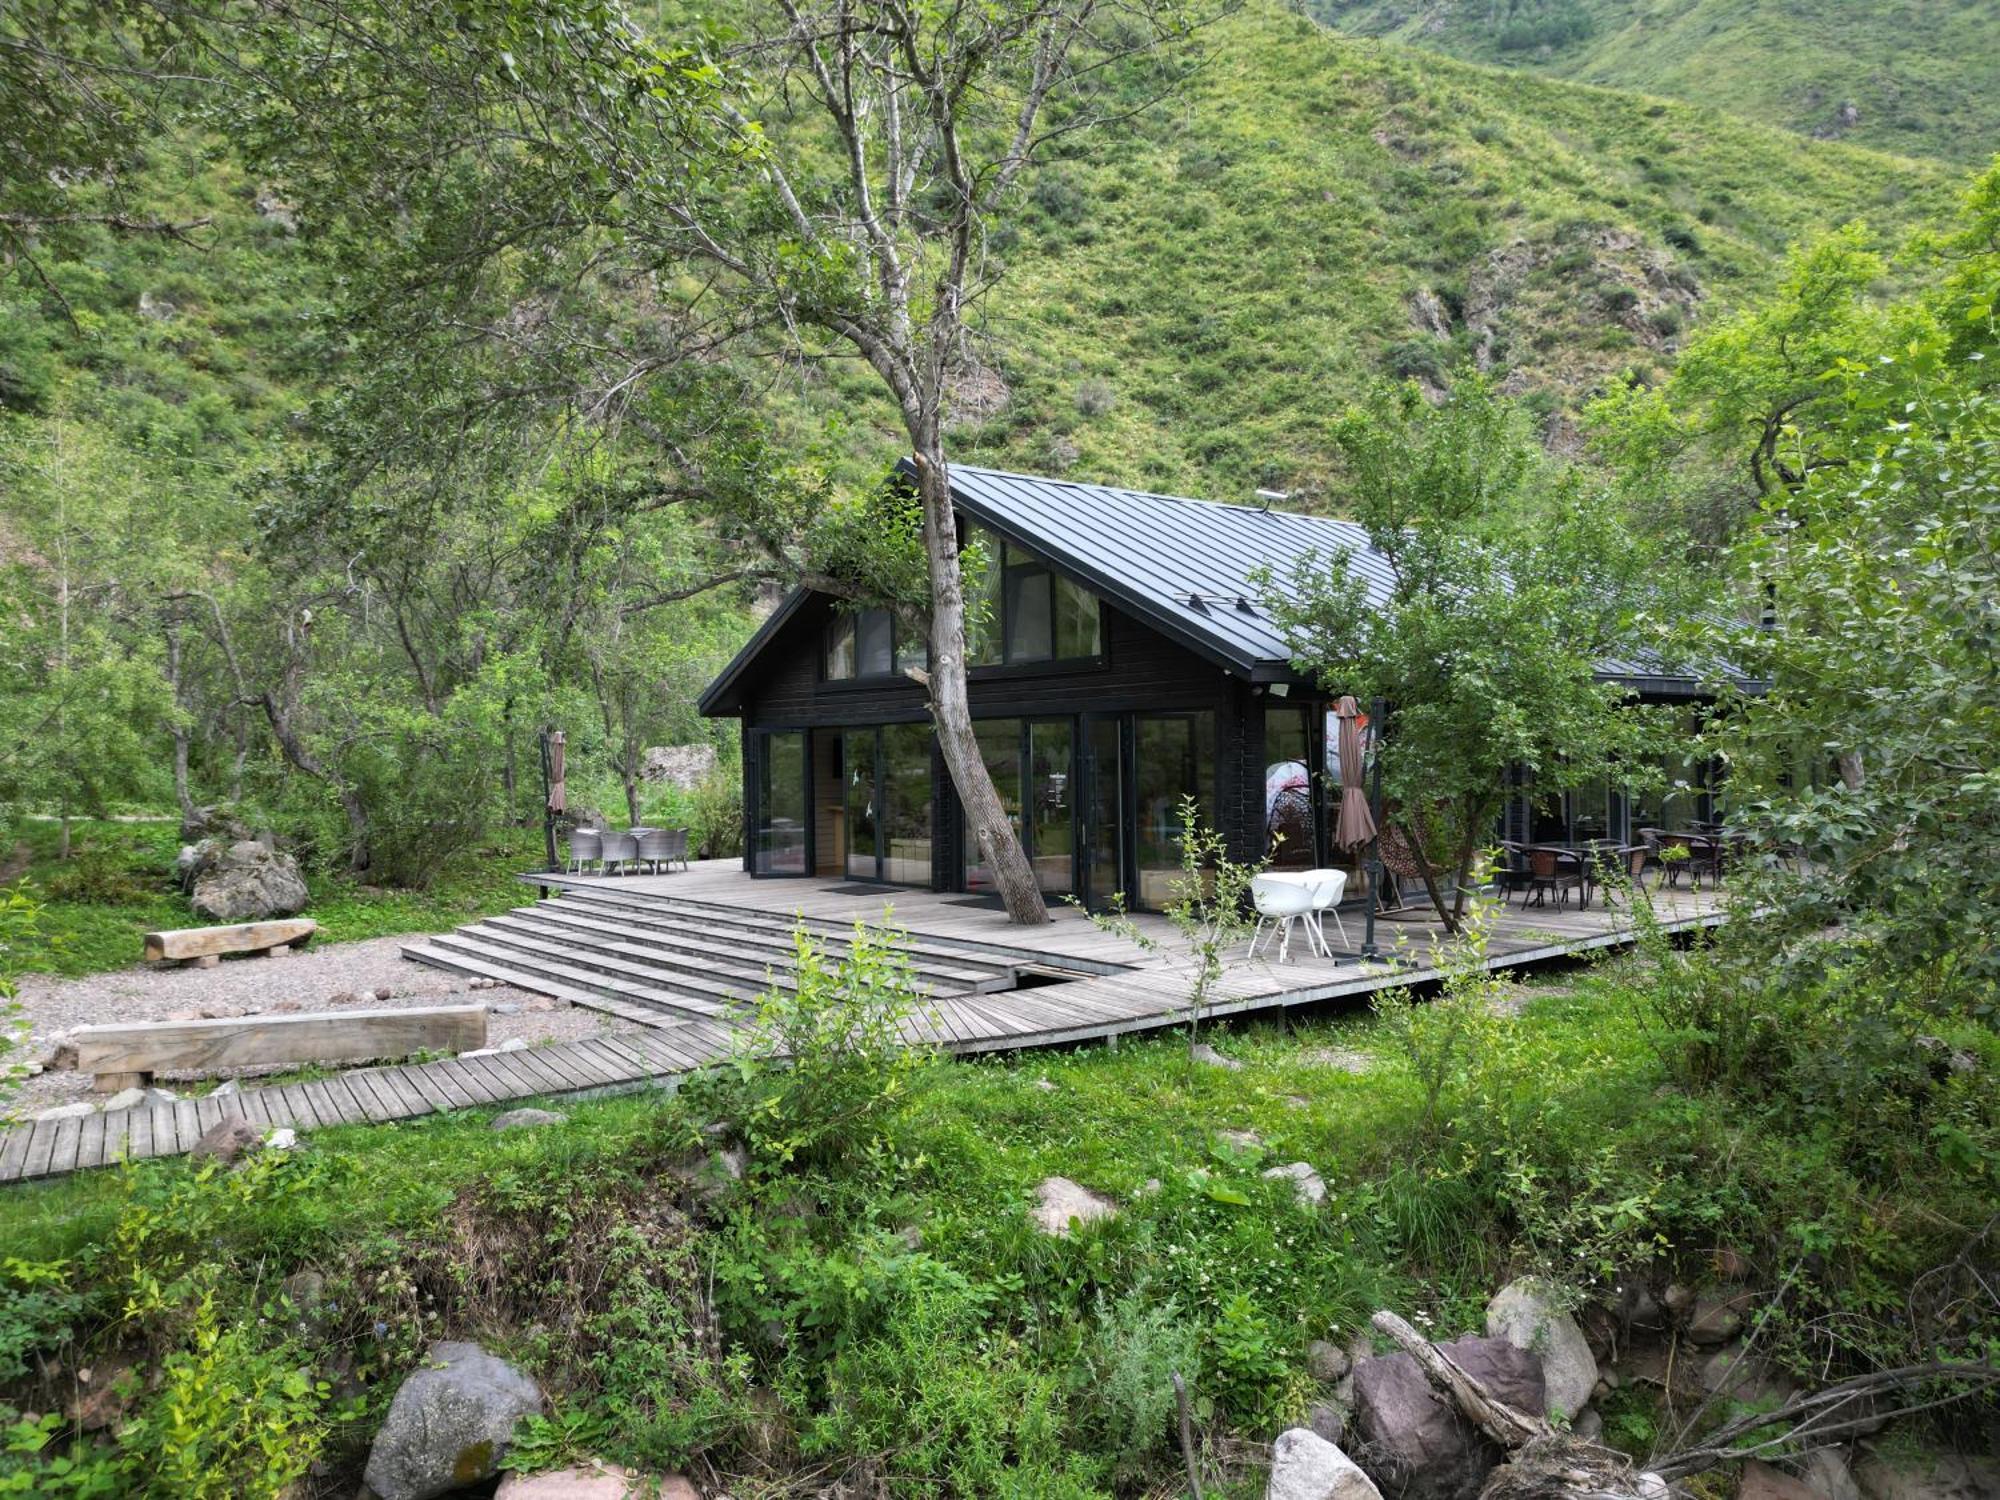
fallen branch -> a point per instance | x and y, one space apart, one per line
1187 1435
1508 1427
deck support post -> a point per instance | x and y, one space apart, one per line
1376 709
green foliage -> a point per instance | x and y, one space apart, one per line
1908 79
822 1073
1487 646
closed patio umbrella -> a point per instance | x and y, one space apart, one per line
1356 824
558 793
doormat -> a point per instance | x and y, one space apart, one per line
984 903
862 890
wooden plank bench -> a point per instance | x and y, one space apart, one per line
206 945
123 1057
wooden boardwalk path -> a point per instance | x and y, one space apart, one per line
1105 986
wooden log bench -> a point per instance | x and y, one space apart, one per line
205 946
124 1057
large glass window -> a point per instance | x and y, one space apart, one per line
1030 766
1051 815
1020 610
1173 758
906 803
863 821
869 643
780 844
1288 791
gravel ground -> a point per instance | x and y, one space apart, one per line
326 976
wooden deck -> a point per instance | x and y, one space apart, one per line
683 956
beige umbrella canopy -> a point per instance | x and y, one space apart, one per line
558 793
1356 824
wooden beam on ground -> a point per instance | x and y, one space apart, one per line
266 1041
237 937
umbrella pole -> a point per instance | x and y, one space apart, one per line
1369 952
548 813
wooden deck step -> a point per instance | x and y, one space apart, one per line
698 980
533 972
835 935
748 951
538 984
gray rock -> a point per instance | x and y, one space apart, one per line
125 1099
246 881
1527 1315
1327 1361
1305 1466
227 1140
1308 1189
520 1119
1203 1053
684 766
1059 1203
284 1138
1928 1476
1827 1471
167 1096
74 1111
1417 1445
224 1089
1588 1425
304 1289
450 1423
1241 1140
1760 1481
1717 1316
1327 1419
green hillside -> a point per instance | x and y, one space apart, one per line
1914 76
1184 304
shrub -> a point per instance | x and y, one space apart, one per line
824 1070
1095 397
1416 359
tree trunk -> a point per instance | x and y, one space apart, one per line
1851 775
951 705
181 793
631 794
1429 876
507 768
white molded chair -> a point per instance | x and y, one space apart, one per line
1328 886
1281 902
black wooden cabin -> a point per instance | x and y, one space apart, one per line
1125 664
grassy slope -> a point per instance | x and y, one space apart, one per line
1919 72
1229 269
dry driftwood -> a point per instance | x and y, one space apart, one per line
1542 1463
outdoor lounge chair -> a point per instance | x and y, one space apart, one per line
586 847
663 846
620 849
1328 887
1555 871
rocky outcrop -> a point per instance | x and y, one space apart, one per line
1305 1466
1527 1315
683 766
247 881
450 1423
1414 1442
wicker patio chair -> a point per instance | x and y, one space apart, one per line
1554 871
662 846
586 847
620 849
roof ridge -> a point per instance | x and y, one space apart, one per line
1127 490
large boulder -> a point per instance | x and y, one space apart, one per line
246 881
684 766
1414 1441
1061 1203
1305 1466
450 1423
1903 1475
1527 1315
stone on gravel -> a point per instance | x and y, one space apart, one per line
227 1140
594 1479
1526 1314
1203 1053
245 882
125 1099
74 1111
521 1119
1305 1466
1308 1189
223 1089
450 1423
1419 1447
1060 1203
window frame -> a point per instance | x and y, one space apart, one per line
1009 558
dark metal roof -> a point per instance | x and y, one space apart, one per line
1185 567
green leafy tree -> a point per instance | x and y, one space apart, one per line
1487 640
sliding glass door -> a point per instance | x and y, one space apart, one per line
888 796
1031 763
778 843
